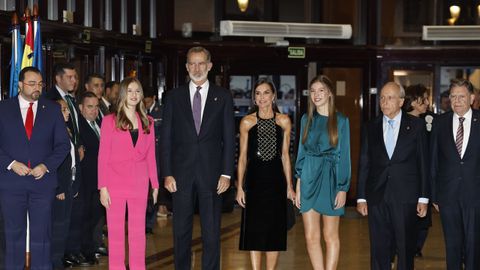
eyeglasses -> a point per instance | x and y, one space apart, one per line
458 97
33 84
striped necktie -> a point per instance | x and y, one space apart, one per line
459 137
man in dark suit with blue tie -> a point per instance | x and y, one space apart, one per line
164 200
92 210
393 185
33 143
455 172
197 157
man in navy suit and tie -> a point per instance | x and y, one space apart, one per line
393 185
33 143
456 177
197 157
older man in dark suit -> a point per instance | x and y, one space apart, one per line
33 143
92 209
393 184
197 157
456 178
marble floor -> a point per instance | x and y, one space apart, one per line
354 249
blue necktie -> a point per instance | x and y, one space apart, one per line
390 138
197 109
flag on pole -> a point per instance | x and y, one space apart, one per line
27 59
37 50
16 60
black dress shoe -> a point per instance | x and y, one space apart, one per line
101 251
90 260
67 264
148 231
71 259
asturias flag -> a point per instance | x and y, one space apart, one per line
27 59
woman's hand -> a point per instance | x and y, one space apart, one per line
340 199
297 196
155 195
241 197
105 198
291 194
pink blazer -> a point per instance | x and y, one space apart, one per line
123 168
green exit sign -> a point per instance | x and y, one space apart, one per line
296 52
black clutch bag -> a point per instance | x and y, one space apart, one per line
291 215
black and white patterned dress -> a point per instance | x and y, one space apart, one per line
264 216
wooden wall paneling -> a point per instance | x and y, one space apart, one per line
165 18
349 104
116 7
98 14
62 5
79 14
145 8
43 9
131 19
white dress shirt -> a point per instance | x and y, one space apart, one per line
63 94
94 126
107 103
467 123
24 104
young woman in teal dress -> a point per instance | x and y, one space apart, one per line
323 172
264 177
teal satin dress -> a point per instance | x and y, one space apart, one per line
324 170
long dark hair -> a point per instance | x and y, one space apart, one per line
270 84
332 111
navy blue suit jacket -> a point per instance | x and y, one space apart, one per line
157 115
454 178
49 143
404 177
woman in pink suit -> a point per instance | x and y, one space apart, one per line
126 163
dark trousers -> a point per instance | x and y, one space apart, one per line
461 229
392 226
164 198
210 215
151 216
74 240
62 210
2 242
92 210
98 230
15 204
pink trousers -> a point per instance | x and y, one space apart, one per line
136 233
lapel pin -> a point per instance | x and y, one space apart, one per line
215 99
408 127
43 106
474 119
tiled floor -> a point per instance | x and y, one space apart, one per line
354 249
